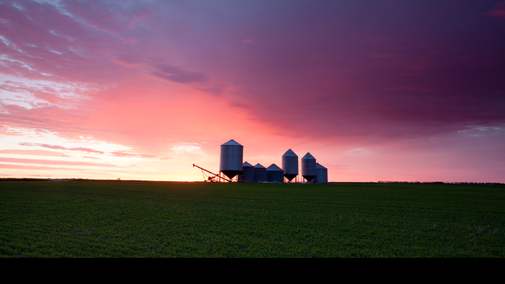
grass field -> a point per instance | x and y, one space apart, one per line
164 219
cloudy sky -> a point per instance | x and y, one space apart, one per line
401 90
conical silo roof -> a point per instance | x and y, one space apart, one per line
308 156
274 167
319 166
246 164
259 166
231 143
289 153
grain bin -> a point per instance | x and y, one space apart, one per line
275 174
260 173
247 172
232 154
309 167
290 164
322 174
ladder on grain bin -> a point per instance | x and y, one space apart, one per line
209 176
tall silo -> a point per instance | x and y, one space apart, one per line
309 167
290 164
247 172
322 174
260 173
232 154
275 174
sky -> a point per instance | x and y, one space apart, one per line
391 90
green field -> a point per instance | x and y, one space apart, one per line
165 219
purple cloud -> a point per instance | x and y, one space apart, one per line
498 11
176 74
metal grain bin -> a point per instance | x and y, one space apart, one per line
232 154
290 164
309 167
322 174
247 172
275 174
260 173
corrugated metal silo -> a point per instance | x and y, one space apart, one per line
290 164
260 173
322 174
232 154
309 167
275 174
247 172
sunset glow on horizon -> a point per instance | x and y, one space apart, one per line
141 90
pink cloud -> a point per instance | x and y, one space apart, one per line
46 94
24 167
85 150
43 145
52 162
89 150
51 98
33 152
6 131
127 61
91 157
124 154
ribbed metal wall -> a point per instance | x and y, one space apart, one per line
260 173
309 167
247 172
232 154
322 174
275 174
290 164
